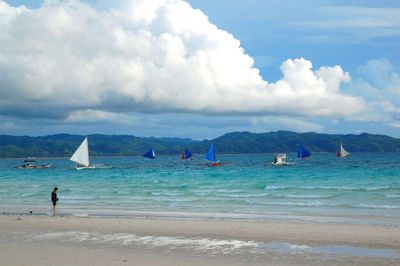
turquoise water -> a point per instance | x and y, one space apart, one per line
363 189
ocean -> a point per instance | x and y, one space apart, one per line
364 189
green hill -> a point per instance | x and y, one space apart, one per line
285 141
61 145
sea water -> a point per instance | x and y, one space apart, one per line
362 189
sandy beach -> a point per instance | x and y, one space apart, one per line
43 240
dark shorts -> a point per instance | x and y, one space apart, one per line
54 203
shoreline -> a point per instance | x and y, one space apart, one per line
367 235
197 242
209 216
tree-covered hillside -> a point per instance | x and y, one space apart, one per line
61 145
285 141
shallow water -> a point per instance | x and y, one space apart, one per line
363 189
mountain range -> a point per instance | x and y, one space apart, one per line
63 145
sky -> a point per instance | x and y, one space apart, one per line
199 68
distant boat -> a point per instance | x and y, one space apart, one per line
342 153
31 165
210 156
280 159
186 154
150 154
81 156
303 153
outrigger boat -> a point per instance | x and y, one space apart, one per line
280 160
210 156
186 154
33 166
303 153
150 154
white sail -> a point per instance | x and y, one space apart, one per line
343 152
81 155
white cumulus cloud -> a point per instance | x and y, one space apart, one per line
66 59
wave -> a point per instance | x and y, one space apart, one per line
175 200
165 194
377 188
291 196
27 195
76 197
277 187
284 196
392 196
220 246
290 203
371 206
240 196
325 204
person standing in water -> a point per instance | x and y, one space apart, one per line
54 199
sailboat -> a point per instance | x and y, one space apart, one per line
150 154
186 154
81 156
30 164
303 153
342 153
210 156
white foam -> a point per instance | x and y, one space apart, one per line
275 187
27 195
77 197
166 194
299 247
387 207
154 241
392 196
292 196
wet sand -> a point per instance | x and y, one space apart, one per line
42 240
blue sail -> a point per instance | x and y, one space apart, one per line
188 154
302 152
210 156
150 154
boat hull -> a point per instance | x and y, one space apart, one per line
281 164
85 167
34 166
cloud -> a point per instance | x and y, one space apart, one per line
91 115
347 23
287 123
66 57
7 125
380 76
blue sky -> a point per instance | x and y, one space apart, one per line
163 68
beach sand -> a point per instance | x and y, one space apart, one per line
43 240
